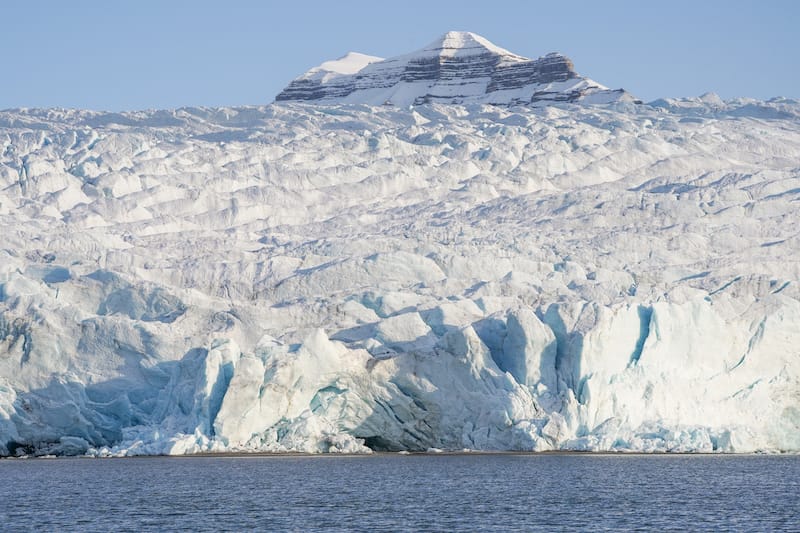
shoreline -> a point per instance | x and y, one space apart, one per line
443 453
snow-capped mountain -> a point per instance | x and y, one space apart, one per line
334 278
458 68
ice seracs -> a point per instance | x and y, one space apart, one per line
459 67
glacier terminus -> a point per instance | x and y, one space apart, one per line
455 249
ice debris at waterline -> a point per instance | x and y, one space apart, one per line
347 278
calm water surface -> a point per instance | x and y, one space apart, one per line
402 493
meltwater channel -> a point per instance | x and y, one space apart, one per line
384 492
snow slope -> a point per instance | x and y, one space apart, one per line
345 277
459 67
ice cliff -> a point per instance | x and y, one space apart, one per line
458 68
342 278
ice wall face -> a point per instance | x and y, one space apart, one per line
346 278
459 67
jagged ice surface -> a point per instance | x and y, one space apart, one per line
340 278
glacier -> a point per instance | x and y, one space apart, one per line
353 278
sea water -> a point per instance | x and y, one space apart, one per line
385 492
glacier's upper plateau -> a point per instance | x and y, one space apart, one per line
404 265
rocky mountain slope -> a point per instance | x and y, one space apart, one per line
457 68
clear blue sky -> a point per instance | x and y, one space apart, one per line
124 55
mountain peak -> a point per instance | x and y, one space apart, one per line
459 67
350 63
465 43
